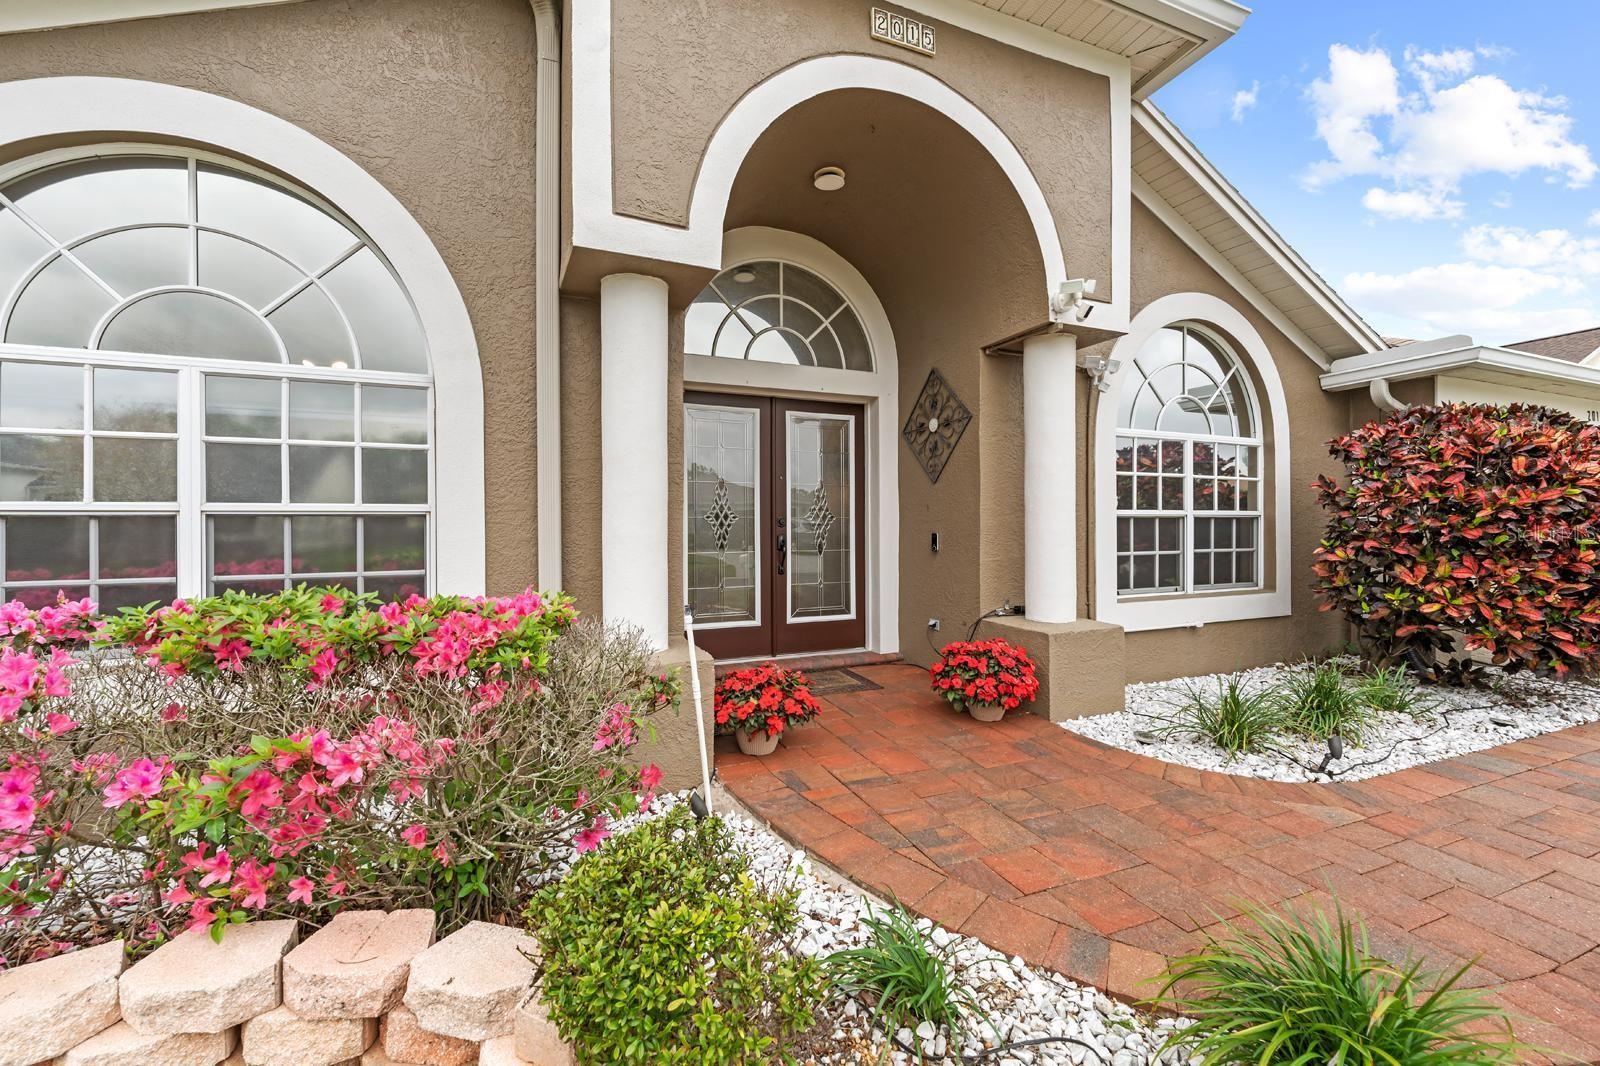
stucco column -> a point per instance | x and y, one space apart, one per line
633 452
1049 417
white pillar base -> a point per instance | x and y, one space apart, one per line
1049 465
633 453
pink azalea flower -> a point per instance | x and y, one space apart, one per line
300 890
591 838
415 836
252 879
59 723
331 603
174 712
650 777
138 780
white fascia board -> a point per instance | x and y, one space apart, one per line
1405 363
1169 217
20 16
1183 151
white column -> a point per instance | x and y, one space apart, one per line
633 452
1049 462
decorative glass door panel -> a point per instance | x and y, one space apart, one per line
822 531
724 452
774 517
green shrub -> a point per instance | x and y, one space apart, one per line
1318 702
908 980
1235 719
661 948
1297 992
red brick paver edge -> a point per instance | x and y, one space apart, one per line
1100 864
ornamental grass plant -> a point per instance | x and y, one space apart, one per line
1289 990
907 979
1235 718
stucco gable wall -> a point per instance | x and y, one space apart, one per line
679 68
1163 264
435 99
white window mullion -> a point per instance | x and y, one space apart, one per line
193 553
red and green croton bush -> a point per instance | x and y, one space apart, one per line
204 763
1467 523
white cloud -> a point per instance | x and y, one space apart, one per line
1493 303
1594 219
1415 205
1431 68
1450 123
1513 246
1360 87
1244 100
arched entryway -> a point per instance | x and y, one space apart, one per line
791 490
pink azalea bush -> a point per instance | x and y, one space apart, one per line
204 763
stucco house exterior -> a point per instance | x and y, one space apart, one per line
830 319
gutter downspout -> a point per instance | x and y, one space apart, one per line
1386 402
547 289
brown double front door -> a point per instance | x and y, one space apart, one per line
776 524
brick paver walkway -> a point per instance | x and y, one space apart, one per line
1097 863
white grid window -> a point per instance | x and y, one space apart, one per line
193 354
1187 469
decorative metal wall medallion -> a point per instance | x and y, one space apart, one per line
721 517
935 425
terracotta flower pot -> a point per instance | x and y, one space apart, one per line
986 712
757 743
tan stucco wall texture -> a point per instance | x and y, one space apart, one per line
435 99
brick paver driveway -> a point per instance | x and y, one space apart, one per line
1096 863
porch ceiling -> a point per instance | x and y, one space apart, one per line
1158 37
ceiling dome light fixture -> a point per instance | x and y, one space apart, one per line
829 179
744 275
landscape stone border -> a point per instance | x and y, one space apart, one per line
256 999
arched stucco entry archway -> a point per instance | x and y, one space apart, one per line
81 109
597 226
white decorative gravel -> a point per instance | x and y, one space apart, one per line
1459 723
1021 1002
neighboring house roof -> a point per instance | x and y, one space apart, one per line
1459 357
1180 185
1574 347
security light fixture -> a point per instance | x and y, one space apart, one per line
829 179
1069 304
1099 368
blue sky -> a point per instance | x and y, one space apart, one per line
1438 161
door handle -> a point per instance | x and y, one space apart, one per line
783 552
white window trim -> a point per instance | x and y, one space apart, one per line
82 107
1182 610
878 390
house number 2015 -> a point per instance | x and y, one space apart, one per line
905 32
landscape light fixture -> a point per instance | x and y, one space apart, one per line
829 179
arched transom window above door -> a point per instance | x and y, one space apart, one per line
1188 468
208 379
773 311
